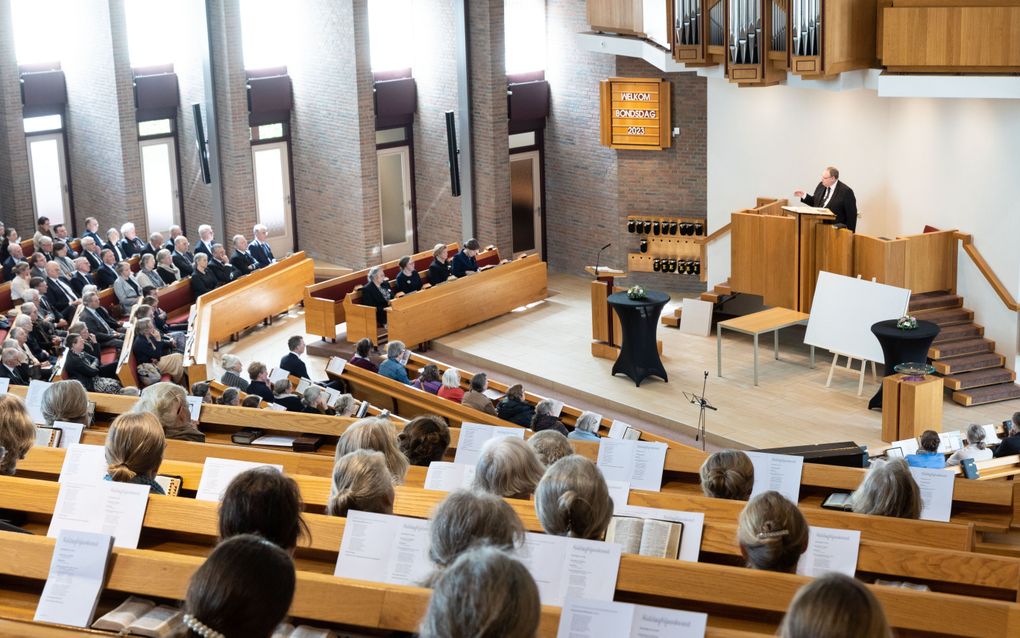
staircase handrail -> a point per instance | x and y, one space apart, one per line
719 232
993 280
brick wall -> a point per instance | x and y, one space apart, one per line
439 217
197 195
10 115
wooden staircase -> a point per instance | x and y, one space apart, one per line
968 363
718 294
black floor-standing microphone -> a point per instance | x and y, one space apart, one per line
598 257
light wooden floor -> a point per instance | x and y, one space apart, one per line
548 345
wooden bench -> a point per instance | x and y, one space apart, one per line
454 305
176 300
324 309
241 304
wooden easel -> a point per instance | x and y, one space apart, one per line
849 362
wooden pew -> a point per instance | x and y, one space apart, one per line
324 309
197 520
176 300
241 304
440 310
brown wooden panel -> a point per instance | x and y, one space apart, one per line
880 259
947 38
780 261
746 273
616 16
930 262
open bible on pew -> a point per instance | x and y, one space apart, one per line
608 619
692 526
140 617
647 537
47 437
621 430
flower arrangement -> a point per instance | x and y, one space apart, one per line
906 322
636 292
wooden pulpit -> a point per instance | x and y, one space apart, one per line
605 326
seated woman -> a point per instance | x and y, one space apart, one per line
313 400
888 489
514 408
408 280
170 405
361 356
376 434
265 502
465 519
450 387
150 347
125 287
392 367
424 439
202 279
66 401
147 274
544 420
17 432
834 606
429 379
202 389
727 474
244 588
772 533
67 267
376 293
165 267
507 467
572 499
975 448
283 395
346 405
251 401
586 428
232 367
84 368
439 269
259 386
485 593
362 482
550 446
475 396
231 397
928 454
134 450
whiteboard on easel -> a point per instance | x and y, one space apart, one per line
843 311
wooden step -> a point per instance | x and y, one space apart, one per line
979 378
987 394
960 348
948 317
969 363
723 289
672 322
710 297
933 301
960 331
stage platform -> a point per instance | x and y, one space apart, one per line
548 347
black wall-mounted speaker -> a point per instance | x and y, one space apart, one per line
203 147
451 146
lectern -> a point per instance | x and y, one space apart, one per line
606 333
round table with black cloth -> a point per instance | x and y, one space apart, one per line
901 346
639 319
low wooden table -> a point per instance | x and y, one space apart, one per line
772 320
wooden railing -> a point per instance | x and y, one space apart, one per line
993 280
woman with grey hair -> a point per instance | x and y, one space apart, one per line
376 293
509 468
586 428
544 420
165 267
975 448
314 400
361 481
573 499
888 489
550 446
125 287
66 401
486 593
393 367
835 606
147 274
203 280
232 367
170 405
465 519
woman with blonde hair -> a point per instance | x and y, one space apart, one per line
772 533
134 450
17 432
727 474
573 499
835 606
65 401
361 481
888 489
466 519
509 468
168 402
377 434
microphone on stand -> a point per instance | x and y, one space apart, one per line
598 257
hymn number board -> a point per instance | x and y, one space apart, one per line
635 113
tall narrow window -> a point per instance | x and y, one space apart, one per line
270 163
159 183
48 174
524 24
391 31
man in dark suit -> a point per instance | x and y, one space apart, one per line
90 250
221 267
206 239
15 256
1011 444
113 245
155 244
834 195
106 274
175 232
92 230
241 260
129 244
10 366
292 362
259 249
59 292
107 331
183 259
60 233
82 276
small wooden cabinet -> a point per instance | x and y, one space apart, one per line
910 407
